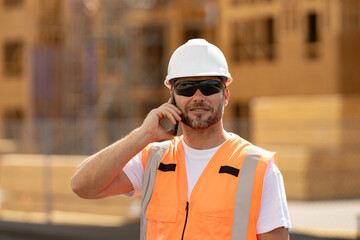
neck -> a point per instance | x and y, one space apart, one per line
205 138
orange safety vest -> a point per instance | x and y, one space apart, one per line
224 203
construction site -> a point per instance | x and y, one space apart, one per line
77 75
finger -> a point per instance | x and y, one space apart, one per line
173 119
175 112
172 106
167 112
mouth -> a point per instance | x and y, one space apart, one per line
199 109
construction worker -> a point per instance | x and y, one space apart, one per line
207 183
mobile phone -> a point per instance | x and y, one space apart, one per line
176 126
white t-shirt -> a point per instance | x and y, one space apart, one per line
273 209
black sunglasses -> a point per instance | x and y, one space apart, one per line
207 87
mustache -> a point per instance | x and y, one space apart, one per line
198 105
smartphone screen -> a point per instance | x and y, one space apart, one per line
176 126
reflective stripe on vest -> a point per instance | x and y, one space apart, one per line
154 157
244 190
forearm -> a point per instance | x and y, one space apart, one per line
98 171
101 174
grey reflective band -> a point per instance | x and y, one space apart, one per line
156 154
244 193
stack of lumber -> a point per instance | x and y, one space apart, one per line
317 139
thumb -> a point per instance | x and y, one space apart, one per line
169 134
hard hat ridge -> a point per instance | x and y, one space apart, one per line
197 57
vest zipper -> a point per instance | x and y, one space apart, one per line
186 217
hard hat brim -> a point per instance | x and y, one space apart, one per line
169 79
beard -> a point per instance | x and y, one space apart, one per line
198 122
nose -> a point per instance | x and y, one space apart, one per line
198 95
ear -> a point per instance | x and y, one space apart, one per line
226 96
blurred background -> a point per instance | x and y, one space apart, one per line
76 75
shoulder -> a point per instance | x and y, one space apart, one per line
160 145
251 151
155 150
261 154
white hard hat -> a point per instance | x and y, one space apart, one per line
197 57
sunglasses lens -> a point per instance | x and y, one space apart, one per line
185 88
207 87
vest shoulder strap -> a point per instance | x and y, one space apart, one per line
245 190
156 154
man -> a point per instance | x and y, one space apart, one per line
205 184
